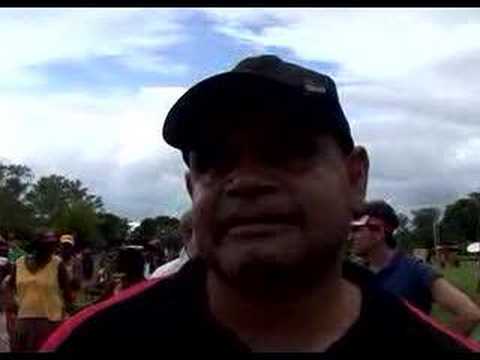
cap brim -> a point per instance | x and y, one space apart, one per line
362 221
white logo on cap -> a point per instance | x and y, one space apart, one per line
315 88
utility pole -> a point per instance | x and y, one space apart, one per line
435 242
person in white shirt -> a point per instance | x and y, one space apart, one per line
188 251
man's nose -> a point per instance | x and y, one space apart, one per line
250 179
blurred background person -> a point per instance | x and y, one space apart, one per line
130 267
188 250
404 275
129 270
73 266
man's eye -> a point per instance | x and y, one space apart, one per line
291 151
303 150
208 160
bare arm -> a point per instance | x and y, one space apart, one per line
466 314
9 289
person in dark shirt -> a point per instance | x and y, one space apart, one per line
403 275
274 178
131 265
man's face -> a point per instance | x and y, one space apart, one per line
367 238
272 201
66 249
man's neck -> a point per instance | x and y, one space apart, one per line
310 322
380 258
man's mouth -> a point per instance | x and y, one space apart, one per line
259 225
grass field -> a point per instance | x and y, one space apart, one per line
464 277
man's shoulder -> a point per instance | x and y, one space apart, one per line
389 320
423 329
414 265
394 319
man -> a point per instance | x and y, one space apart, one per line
188 251
72 264
274 179
405 276
4 263
131 265
15 251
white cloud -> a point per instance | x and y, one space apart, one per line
126 127
38 36
412 100
112 144
414 97
374 43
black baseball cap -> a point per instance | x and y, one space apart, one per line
264 82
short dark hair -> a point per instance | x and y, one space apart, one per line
131 262
382 210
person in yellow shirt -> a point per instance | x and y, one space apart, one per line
39 284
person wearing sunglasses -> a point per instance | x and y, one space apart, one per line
421 285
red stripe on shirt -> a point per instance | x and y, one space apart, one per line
468 343
69 326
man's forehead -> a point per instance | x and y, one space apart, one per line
268 125
375 221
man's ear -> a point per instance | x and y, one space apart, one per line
188 182
358 166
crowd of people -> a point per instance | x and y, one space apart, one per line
53 280
281 250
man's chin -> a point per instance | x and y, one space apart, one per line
266 271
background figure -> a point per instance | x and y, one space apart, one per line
40 283
4 264
188 251
88 270
403 275
73 266
5 269
15 249
130 267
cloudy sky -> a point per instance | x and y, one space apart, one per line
84 93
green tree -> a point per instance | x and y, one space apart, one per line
51 195
16 216
403 235
460 223
113 229
163 228
423 220
15 180
145 232
80 219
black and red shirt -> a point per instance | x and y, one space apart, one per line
171 314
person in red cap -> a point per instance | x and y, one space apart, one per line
275 178
405 276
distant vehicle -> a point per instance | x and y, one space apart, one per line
473 248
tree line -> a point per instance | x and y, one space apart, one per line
426 227
66 205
